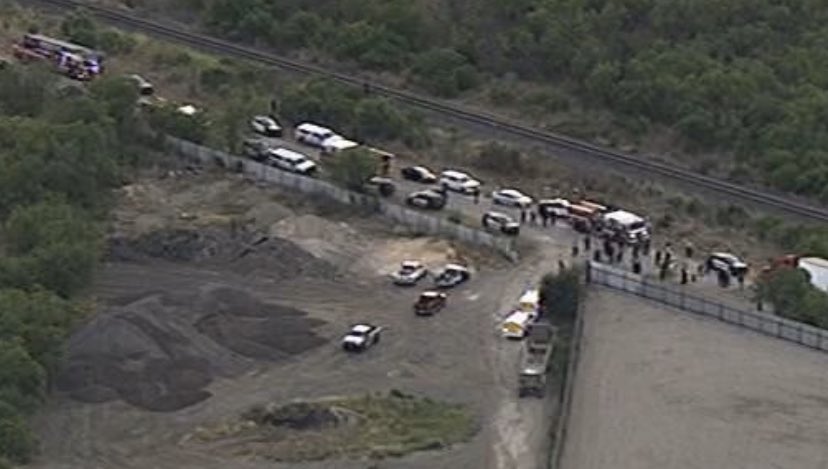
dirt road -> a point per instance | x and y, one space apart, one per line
661 389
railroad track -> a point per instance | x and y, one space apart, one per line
497 123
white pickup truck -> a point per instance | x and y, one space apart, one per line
361 337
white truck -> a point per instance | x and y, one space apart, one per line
517 324
817 268
361 337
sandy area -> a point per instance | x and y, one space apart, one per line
662 389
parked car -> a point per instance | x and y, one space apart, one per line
292 161
429 199
266 125
557 207
511 198
312 134
381 185
498 221
458 181
361 337
418 174
410 273
143 85
429 303
451 276
726 262
255 149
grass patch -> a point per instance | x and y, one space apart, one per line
374 426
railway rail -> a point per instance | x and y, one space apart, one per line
500 124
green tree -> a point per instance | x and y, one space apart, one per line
47 223
40 319
560 294
353 168
79 27
376 118
25 93
444 72
792 295
22 379
17 443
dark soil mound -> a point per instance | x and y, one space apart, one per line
258 330
247 253
162 351
295 416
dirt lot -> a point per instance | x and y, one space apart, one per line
662 389
219 295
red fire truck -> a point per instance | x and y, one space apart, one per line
75 61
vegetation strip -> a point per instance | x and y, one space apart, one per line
587 149
562 299
376 426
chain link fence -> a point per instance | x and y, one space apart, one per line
418 221
793 331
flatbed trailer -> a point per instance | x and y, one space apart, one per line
536 358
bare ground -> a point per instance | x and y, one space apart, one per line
658 388
175 289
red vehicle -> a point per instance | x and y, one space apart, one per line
75 61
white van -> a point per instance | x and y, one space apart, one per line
516 325
337 144
312 134
290 160
626 225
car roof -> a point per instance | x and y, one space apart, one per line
493 213
431 294
455 173
623 217
726 255
455 267
554 201
264 117
361 328
311 127
289 154
511 192
411 263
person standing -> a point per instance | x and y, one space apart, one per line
587 243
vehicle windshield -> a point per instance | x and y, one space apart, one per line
639 225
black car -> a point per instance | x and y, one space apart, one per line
418 174
381 185
429 199
728 263
501 222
